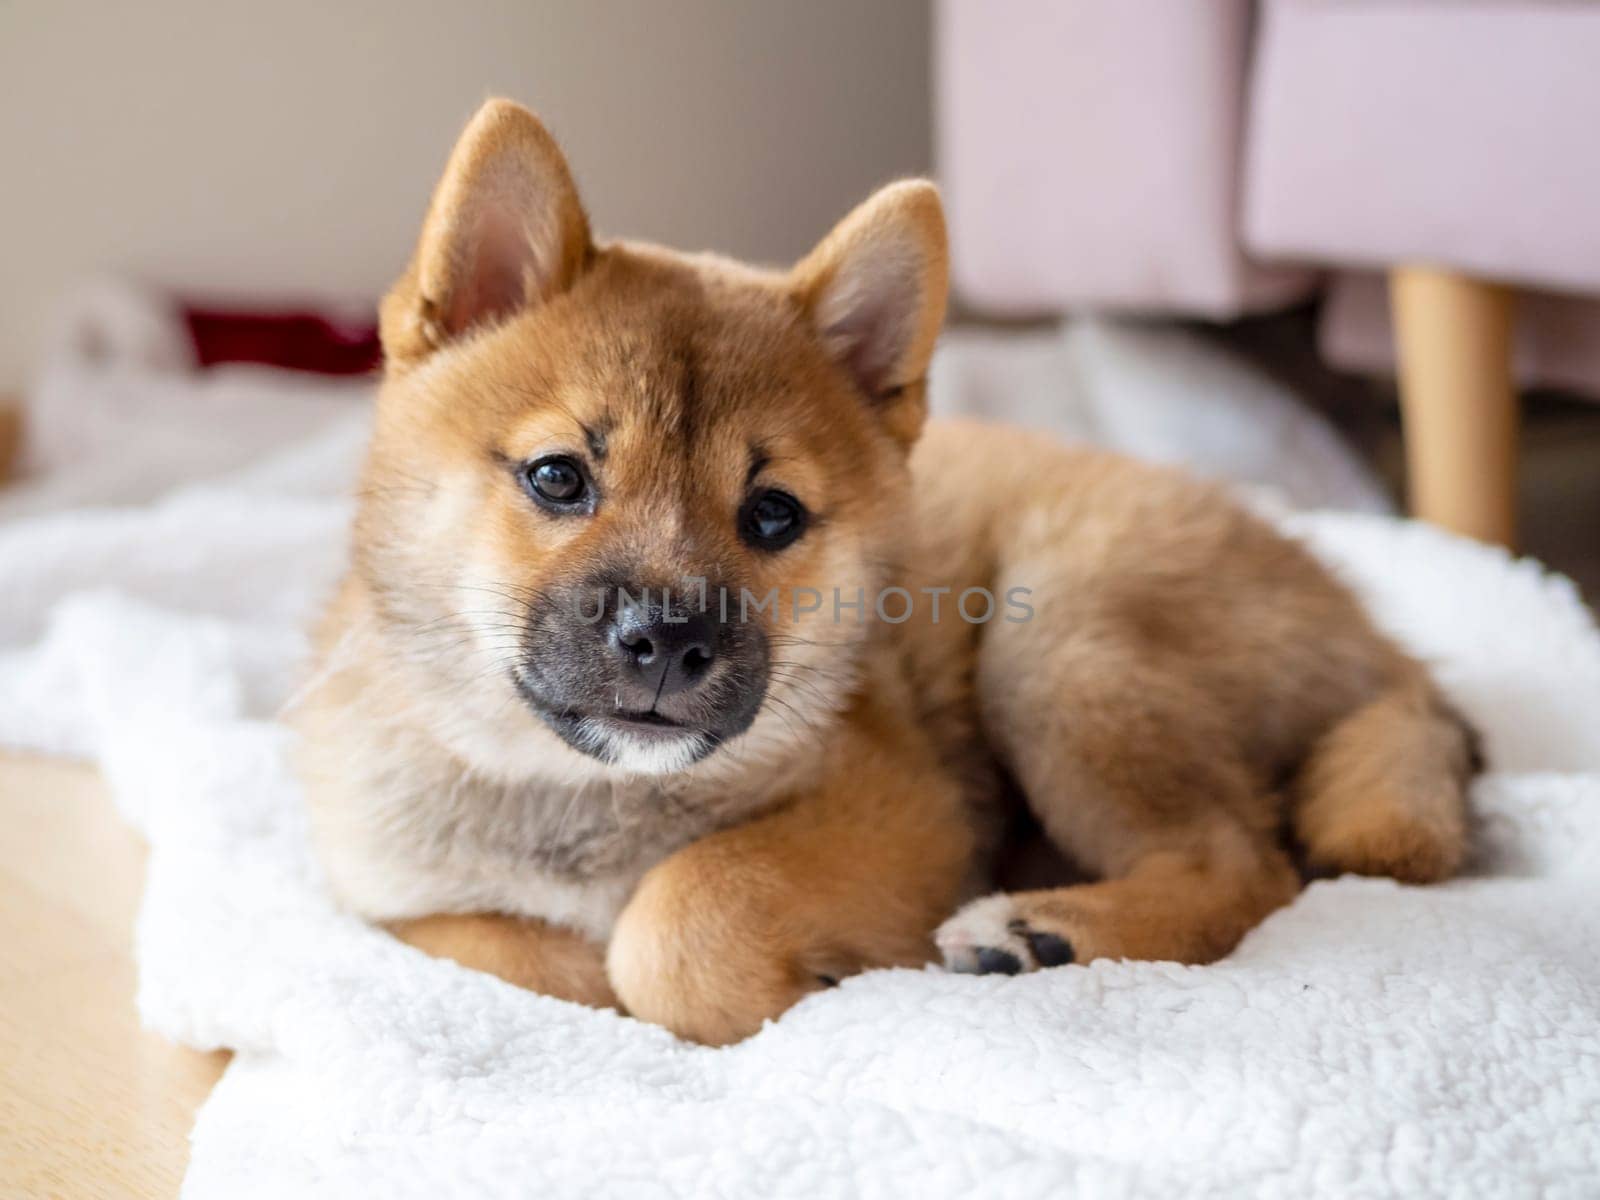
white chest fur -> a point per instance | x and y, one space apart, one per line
454 801
437 838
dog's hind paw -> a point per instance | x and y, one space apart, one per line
988 937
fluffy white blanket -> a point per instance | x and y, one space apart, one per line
1370 1039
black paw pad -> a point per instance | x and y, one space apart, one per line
997 962
1048 949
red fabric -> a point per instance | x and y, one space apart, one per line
299 341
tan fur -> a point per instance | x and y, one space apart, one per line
531 954
739 925
1190 685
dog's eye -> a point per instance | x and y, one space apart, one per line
557 481
772 520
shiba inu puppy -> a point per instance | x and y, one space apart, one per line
678 669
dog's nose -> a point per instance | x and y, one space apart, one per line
667 655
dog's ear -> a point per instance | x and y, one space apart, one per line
505 229
875 290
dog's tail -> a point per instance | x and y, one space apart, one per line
1383 791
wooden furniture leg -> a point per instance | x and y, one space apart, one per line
1453 343
10 435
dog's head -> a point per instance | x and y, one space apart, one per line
632 496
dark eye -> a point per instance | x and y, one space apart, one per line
772 520
558 481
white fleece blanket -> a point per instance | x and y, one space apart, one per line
1368 1040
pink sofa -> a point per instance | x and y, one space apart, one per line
1090 156
1218 158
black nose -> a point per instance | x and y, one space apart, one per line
668 652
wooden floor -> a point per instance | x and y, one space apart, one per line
90 1104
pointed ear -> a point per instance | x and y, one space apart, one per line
505 230
875 289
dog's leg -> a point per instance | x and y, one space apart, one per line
1189 906
1384 791
531 954
736 927
1138 778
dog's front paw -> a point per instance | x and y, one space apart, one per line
990 936
710 969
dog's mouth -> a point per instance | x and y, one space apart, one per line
560 715
641 739
643 721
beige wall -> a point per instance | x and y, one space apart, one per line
286 148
